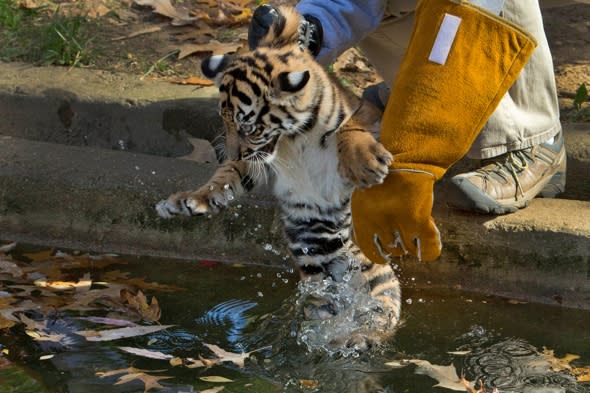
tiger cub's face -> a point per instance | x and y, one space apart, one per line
262 96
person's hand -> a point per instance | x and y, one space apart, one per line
307 32
394 218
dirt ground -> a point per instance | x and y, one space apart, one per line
126 37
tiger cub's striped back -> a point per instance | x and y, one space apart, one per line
286 117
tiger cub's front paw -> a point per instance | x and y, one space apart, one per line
206 200
362 160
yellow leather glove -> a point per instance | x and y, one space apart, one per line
460 62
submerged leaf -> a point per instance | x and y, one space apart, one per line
146 353
115 334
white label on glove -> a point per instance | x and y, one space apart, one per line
444 39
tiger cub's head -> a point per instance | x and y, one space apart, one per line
264 95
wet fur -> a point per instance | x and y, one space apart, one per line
287 119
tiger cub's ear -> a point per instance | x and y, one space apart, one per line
213 66
291 82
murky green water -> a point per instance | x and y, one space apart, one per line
242 308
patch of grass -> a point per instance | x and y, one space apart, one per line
34 36
161 65
66 42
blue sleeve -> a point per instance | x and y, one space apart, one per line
345 23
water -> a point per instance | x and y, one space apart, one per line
244 308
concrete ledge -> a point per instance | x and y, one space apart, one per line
89 198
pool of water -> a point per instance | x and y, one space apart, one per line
504 344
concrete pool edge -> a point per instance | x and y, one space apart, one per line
102 200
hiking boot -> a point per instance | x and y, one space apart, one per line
508 182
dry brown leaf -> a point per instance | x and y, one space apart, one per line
136 33
445 375
165 8
559 364
216 47
235 358
9 267
149 311
174 362
146 353
115 334
193 80
82 285
216 379
6 248
150 381
213 390
582 374
308 383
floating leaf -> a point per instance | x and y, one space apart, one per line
176 362
46 357
213 390
149 311
146 353
308 383
582 374
11 268
108 321
115 334
216 379
5 248
445 375
235 358
559 364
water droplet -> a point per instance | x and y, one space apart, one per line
421 300
260 294
230 197
211 188
268 247
305 250
153 172
226 186
239 206
259 275
242 278
409 301
236 215
136 168
285 280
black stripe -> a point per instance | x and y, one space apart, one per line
311 270
318 246
241 95
381 279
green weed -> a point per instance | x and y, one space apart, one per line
161 65
66 42
581 96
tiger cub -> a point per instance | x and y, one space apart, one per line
284 115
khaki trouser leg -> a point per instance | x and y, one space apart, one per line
526 116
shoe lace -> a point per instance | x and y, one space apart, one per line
512 164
